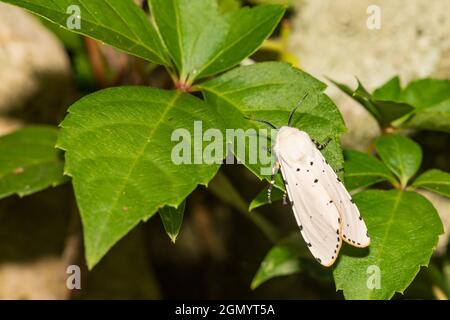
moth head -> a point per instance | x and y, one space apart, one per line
294 143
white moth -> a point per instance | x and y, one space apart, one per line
323 208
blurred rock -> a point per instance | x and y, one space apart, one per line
34 68
34 245
331 39
8 125
44 278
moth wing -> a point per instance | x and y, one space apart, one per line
354 230
318 219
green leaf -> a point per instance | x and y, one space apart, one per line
120 153
404 229
172 219
29 161
434 180
361 96
282 260
363 170
229 5
431 98
203 42
402 155
382 104
436 118
391 110
119 23
270 91
424 93
389 91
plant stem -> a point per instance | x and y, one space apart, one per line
96 61
438 284
222 188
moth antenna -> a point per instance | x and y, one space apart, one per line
295 109
262 121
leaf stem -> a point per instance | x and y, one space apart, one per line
96 60
438 284
222 188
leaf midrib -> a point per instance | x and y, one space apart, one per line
420 183
386 233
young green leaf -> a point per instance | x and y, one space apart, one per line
404 229
436 117
29 161
119 23
363 170
282 260
203 42
382 104
424 93
270 91
402 155
172 218
434 180
390 110
389 91
431 98
361 96
126 159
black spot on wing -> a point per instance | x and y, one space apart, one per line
316 180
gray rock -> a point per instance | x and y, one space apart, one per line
331 39
34 68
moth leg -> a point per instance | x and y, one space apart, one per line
284 198
275 169
339 170
322 146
